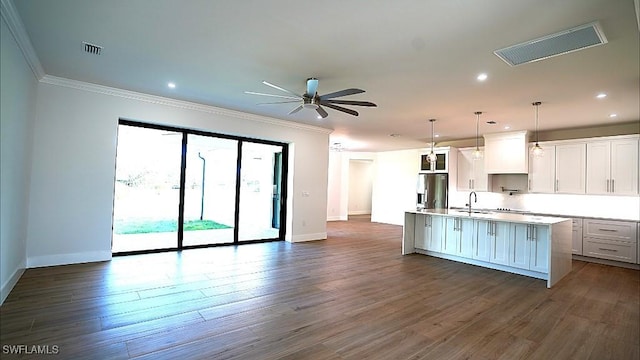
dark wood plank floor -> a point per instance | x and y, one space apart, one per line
352 296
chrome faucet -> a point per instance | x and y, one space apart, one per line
476 199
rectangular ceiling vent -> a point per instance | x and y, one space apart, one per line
564 42
91 48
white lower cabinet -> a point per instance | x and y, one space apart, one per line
612 240
529 247
499 241
576 242
428 232
482 240
458 237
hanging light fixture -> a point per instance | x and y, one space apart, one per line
477 153
432 156
536 150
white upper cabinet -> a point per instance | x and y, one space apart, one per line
560 169
612 167
471 174
506 153
570 168
542 171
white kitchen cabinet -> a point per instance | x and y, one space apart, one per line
576 242
506 153
570 168
612 240
471 174
542 171
422 227
612 167
529 247
499 238
482 240
433 234
458 237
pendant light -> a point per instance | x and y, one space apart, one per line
432 156
477 153
536 150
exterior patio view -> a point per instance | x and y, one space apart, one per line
148 189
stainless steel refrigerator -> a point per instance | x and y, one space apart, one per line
432 191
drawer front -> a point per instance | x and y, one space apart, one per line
612 250
613 230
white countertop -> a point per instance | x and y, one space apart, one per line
495 216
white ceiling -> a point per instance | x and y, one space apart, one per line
416 59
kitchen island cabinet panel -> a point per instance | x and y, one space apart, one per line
499 243
534 246
482 240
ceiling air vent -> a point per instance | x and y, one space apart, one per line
91 48
577 38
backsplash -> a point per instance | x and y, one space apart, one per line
615 207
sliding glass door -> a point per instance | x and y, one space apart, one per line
178 188
260 192
146 199
210 187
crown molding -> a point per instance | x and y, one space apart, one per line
153 99
16 27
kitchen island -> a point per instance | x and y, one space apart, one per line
536 246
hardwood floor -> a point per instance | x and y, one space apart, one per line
352 296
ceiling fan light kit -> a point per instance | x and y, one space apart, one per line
311 100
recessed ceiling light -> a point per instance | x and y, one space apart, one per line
318 117
601 96
613 115
171 85
482 77
436 135
507 127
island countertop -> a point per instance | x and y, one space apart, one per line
493 216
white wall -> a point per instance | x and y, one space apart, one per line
70 209
17 96
394 185
360 186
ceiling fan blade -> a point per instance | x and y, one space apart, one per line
279 102
340 93
296 109
278 96
340 108
312 86
281 89
349 102
323 114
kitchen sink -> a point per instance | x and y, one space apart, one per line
472 211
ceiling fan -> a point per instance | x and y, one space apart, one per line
311 100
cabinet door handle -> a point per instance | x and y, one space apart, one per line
494 227
534 233
607 185
613 185
529 187
604 249
557 186
612 230
473 183
469 183
528 232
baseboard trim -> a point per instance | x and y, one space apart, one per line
308 237
337 218
606 262
66 259
11 282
